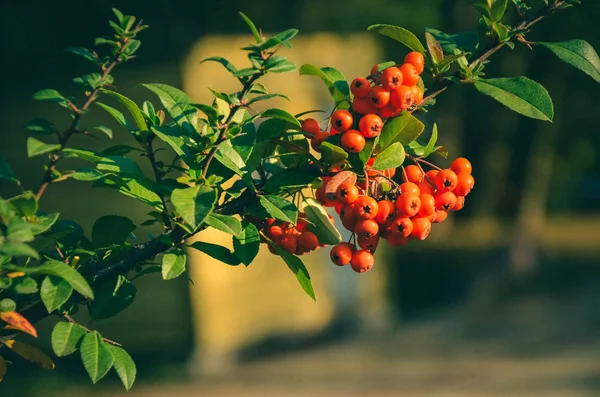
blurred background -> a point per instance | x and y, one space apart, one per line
503 299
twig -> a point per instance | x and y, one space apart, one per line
157 178
70 319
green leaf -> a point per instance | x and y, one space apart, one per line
117 115
171 136
52 96
577 53
247 244
6 172
7 305
365 154
483 6
264 97
25 203
435 49
59 269
251 26
231 159
194 204
334 80
246 72
41 126
35 147
87 174
224 223
281 115
135 111
113 296
520 94
283 67
55 292
498 9
465 41
119 165
228 65
404 129
82 154
217 252
331 153
177 104
430 148
65 337
392 157
124 366
399 34
96 356
140 188
25 286
290 179
18 249
298 268
279 208
111 230
173 264
84 53
320 224
103 129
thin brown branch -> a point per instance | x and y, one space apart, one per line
70 319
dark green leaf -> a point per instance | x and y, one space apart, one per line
483 6
298 268
365 154
41 126
577 53
228 65
520 94
140 188
247 244
231 159
36 147
95 356
283 67
119 165
18 249
117 115
55 292
112 297
224 223
177 104
111 230
124 366
246 72
281 115
26 203
466 41
6 173
103 129
320 223
65 337
291 179
498 9
84 53
135 111
279 208
404 129
392 157
171 136
430 148
217 252
331 153
251 26
194 204
173 264
401 35
265 97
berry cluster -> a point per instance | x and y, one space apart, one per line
296 239
398 212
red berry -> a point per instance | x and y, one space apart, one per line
370 125
362 261
417 60
464 184
385 211
461 164
445 201
421 228
409 72
342 253
347 193
446 180
413 174
365 207
366 228
360 87
368 243
342 120
408 205
310 126
353 141
401 225
391 78
307 242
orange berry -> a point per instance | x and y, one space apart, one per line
413 174
445 200
342 253
307 242
409 72
402 97
342 120
385 211
362 261
460 203
426 187
389 111
417 60
379 96
317 139
460 165
366 228
408 205
353 141
370 125
302 224
363 106
368 243
465 184
397 240
441 216
391 78
322 197
310 126
275 231
410 188
446 180
365 207
427 205
417 94
421 228
288 242
401 225
360 87
347 193
430 175
348 217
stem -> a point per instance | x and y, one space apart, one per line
157 178
70 319
74 127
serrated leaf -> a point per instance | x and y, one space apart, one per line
279 208
224 223
334 80
55 292
124 366
18 322
173 264
111 230
399 34
135 111
577 53
217 252
194 204
392 157
113 296
520 94
65 337
297 267
404 129
35 147
30 353
247 244
231 159
177 104
320 224
95 356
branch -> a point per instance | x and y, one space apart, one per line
157 178
70 319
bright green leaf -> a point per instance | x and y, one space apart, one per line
65 337
35 147
404 129
392 157
194 204
224 223
135 111
177 104
124 366
279 208
55 292
334 80
173 264
297 267
399 34
96 356
320 223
